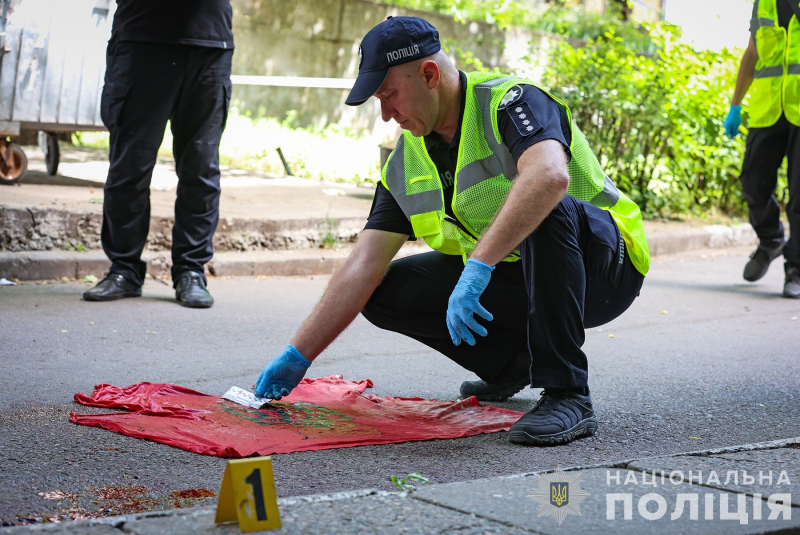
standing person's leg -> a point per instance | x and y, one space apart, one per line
140 85
197 123
791 252
412 300
578 274
763 155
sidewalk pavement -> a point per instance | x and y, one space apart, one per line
269 226
649 495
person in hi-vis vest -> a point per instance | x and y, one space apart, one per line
770 69
532 242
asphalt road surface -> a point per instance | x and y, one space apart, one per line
701 360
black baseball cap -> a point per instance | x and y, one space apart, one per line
395 41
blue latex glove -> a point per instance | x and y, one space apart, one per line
282 375
464 303
733 121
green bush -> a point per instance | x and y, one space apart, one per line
557 17
656 120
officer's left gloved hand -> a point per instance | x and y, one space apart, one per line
464 303
733 121
282 375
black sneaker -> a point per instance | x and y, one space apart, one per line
113 286
515 376
560 416
791 287
191 291
760 260
492 392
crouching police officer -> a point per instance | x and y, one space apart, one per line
493 174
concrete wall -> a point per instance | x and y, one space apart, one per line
321 38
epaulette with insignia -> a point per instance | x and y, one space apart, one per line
523 118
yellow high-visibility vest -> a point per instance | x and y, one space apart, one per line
484 173
776 85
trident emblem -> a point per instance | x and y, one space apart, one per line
559 493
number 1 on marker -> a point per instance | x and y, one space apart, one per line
254 480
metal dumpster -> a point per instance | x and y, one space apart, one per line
52 64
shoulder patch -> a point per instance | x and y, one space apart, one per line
511 96
523 118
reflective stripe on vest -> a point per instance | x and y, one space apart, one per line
503 156
419 203
768 72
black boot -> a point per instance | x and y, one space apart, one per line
560 416
113 286
791 286
760 260
513 378
191 291
490 391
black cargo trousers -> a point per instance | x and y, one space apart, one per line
147 84
574 273
763 156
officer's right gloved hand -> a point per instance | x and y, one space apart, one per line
282 375
463 305
733 121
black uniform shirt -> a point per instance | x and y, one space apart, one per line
526 107
181 22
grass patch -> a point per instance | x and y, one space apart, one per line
406 484
334 153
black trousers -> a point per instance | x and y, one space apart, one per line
574 274
763 155
147 84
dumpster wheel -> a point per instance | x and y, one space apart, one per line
48 142
13 162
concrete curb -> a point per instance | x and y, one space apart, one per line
712 237
40 265
39 229
57 264
200 519
45 265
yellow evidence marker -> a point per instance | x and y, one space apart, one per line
247 494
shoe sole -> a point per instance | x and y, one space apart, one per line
584 428
194 305
89 297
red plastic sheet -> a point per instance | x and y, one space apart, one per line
319 414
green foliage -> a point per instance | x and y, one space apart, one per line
251 143
407 484
556 17
94 140
68 246
655 121
329 240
